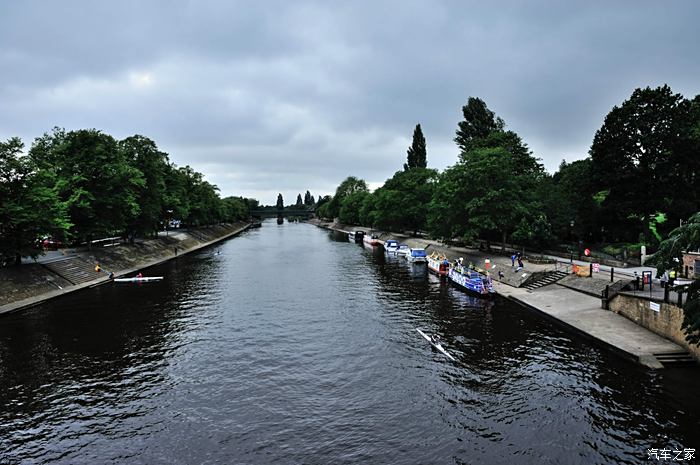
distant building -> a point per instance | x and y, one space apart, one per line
691 265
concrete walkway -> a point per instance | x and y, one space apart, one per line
583 314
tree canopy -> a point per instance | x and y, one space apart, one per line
669 257
417 152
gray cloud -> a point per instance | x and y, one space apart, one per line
274 97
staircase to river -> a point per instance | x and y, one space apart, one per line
545 279
675 359
72 269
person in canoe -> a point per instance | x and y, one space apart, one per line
139 275
435 339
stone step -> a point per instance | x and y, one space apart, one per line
73 270
545 280
675 358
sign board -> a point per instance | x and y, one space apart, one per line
654 306
596 267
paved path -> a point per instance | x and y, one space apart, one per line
584 315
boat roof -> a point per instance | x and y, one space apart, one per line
392 241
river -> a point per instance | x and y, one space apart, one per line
290 345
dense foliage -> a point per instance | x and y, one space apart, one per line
669 257
83 185
640 179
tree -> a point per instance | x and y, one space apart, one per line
482 195
478 123
143 154
351 206
644 161
417 152
280 202
29 205
668 257
93 177
300 202
402 203
308 199
350 185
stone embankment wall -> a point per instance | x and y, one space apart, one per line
666 322
32 283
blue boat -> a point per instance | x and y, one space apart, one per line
471 280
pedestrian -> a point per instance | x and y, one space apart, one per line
501 275
512 259
97 268
671 277
520 265
111 275
664 279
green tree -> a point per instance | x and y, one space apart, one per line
350 209
568 197
308 199
280 202
93 177
300 202
668 257
350 185
642 157
29 205
481 195
478 123
417 152
402 203
143 154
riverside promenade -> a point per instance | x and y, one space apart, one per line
575 307
33 283
583 314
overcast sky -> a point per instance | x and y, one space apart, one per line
266 97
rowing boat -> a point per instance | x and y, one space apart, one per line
438 346
138 280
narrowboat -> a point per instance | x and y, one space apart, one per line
471 280
438 264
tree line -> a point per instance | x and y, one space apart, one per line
638 182
82 185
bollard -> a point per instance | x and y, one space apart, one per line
612 275
666 294
680 298
590 270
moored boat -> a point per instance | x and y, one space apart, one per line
356 236
391 246
403 249
471 280
438 264
371 239
416 255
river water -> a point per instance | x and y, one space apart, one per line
290 345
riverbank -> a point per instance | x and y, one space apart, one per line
74 269
574 303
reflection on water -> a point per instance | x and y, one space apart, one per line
291 345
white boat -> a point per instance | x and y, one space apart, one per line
417 256
391 246
437 345
403 249
137 279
